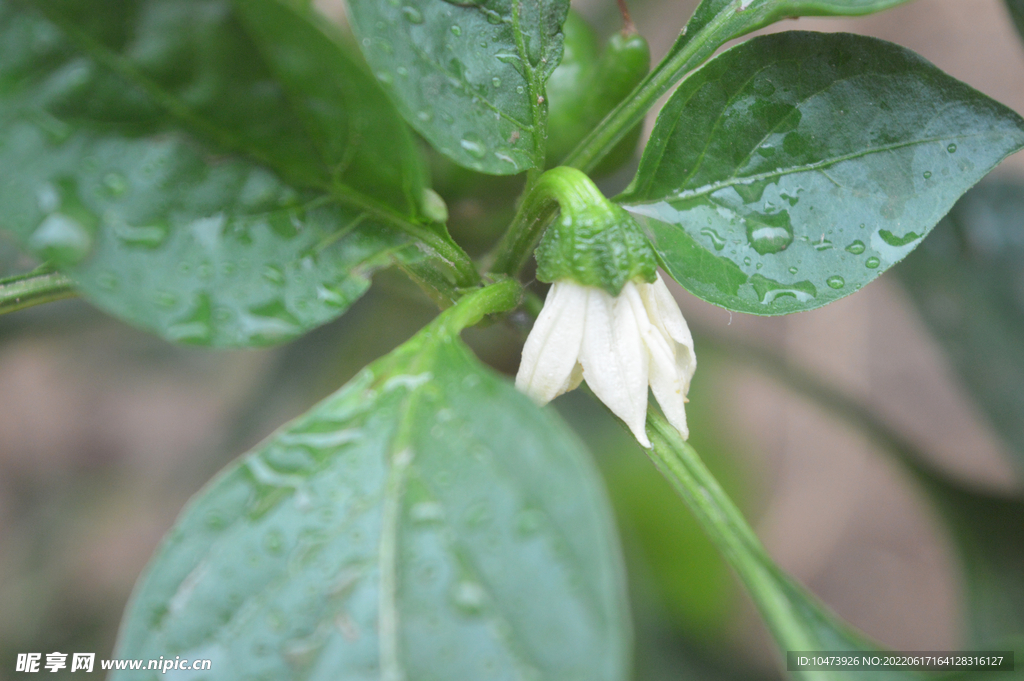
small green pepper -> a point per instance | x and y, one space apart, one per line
587 85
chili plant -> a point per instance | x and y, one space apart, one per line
232 174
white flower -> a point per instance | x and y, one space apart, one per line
618 344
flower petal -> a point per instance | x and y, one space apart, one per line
550 354
665 316
614 358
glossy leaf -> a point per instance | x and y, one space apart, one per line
966 282
797 167
468 76
215 185
424 522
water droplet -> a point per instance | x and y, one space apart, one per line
716 239
746 261
215 520
384 77
769 238
473 145
872 262
166 299
456 29
822 245
273 274
469 597
273 542
424 116
269 323
48 198
194 326
951 148
108 281
496 82
520 89
493 17
402 71
769 290
528 522
61 239
426 512
115 184
792 270
331 295
836 282
412 15
927 174
146 236
857 247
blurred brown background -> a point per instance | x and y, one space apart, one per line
106 431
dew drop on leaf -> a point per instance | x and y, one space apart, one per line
716 239
115 184
951 148
412 15
469 597
61 239
857 247
473 145
836 282
872 262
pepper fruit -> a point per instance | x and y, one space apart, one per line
588 84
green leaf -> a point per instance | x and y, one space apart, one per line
795 168
468 76
1016 8
966 283
218 181
425 522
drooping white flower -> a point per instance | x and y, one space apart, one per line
619 345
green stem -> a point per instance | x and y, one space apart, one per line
631 110
501 296
557 186
532 217
34 288
728 530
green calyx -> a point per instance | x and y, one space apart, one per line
594 242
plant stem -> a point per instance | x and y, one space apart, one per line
501 296
727 529
34 288
592 148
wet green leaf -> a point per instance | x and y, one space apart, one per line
199 172
796 167
468 76
424 522
966 281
